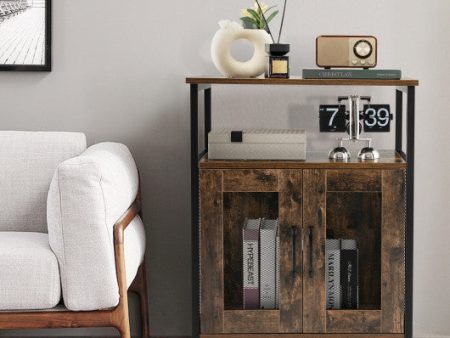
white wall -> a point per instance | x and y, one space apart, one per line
119 69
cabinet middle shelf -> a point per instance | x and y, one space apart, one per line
389 160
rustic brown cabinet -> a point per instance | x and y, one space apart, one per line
227 198
368 205
316 199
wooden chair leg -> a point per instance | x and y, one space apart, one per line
124 330
139 286
121 318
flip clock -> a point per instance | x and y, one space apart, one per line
354 121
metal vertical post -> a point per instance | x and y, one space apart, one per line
410 212
194 211
399 121
195 207
207 115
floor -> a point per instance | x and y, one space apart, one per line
22 38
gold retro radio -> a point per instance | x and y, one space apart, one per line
346 51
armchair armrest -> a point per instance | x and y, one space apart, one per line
93 219
124 221
119 241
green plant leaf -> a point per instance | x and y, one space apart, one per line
257 17
248 22
248 19
254 14
270 18
268 9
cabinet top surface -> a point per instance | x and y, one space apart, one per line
298 81
389 160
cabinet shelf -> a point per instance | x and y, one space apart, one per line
388 160
298 81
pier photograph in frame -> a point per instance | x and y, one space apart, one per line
25 35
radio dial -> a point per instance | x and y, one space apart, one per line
363 49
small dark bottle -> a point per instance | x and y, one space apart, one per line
277 60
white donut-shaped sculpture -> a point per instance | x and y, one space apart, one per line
227 64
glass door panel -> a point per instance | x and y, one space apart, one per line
353 251
237 208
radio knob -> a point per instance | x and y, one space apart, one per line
363 49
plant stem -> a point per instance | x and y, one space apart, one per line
282 21
265 21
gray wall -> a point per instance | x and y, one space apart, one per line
119 69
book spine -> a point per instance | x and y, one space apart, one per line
349 279
277 271
333 279
357 278
251 268
348 244
388 74
333 244
268 268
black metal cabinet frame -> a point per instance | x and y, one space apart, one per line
197 153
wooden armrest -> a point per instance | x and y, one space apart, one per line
119 229
126 219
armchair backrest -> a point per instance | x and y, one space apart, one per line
27 163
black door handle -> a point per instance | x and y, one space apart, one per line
294 235
310 249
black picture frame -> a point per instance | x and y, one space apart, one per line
47 66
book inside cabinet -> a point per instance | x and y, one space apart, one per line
361 210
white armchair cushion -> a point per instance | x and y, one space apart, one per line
29 274
87 196
27 163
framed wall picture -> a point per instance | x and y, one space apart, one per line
25 35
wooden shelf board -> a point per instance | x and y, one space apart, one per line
298 81
389 160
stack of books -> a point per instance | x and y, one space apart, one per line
261 272
341 273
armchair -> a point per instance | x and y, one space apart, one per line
72 241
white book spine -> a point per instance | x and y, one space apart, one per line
277 271
333 276
268 239
250 247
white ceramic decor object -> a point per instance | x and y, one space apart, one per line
221 50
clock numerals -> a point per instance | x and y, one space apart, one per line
374 118
377 118
332 118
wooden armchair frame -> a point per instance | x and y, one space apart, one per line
117 317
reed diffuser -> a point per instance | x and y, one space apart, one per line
277 58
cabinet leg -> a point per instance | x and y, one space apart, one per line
410 212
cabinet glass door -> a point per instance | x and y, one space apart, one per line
228 200
354 251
